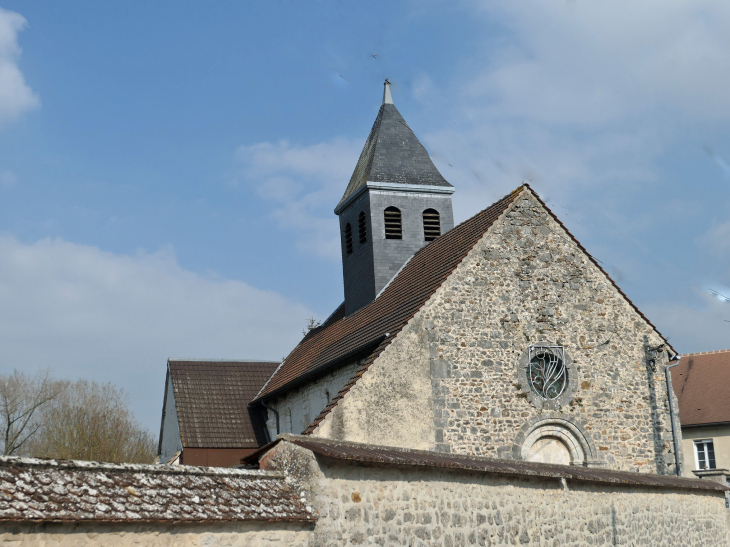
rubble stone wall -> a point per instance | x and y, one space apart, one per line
392 505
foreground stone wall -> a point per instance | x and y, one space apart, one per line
525 282
392 505
245 534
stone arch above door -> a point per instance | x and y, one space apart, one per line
555 438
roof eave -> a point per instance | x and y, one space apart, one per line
394 187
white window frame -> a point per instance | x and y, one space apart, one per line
704 443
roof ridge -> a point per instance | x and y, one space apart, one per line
203 360
705 352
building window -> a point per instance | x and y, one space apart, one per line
431 224
361 231
393 225
546 371
348 238
705 454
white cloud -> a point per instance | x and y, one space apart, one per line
304 183
587 62
15 95
94 314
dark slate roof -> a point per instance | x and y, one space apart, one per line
390 456
57 491
393 154
365 329
702 385
212 398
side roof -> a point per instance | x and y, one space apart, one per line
364 332
211 399
701 382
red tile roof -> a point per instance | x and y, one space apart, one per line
701 382
73 491
211 399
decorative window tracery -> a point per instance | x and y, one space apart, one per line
546 372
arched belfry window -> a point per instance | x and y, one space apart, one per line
348 238
393 224
431 224
361 231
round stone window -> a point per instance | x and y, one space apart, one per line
546 376
546 372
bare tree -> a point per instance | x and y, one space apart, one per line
91 421
22 399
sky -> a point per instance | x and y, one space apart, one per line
169 170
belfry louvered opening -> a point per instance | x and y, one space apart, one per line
393 224
361 231
348 238
431 224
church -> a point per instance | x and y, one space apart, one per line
481 384
500 337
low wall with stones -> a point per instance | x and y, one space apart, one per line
243 534
398 505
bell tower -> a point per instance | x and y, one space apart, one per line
396 202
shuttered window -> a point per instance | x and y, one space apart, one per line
393 224
361 231
431 224
348 238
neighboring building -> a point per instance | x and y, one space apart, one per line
500 337
204 417
701 382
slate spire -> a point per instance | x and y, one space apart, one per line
393 153
396 202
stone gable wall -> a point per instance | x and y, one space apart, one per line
525 282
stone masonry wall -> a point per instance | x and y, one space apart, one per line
390 505
244 534
525 282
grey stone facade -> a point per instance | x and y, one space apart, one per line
373 264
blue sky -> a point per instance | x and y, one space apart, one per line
168 170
